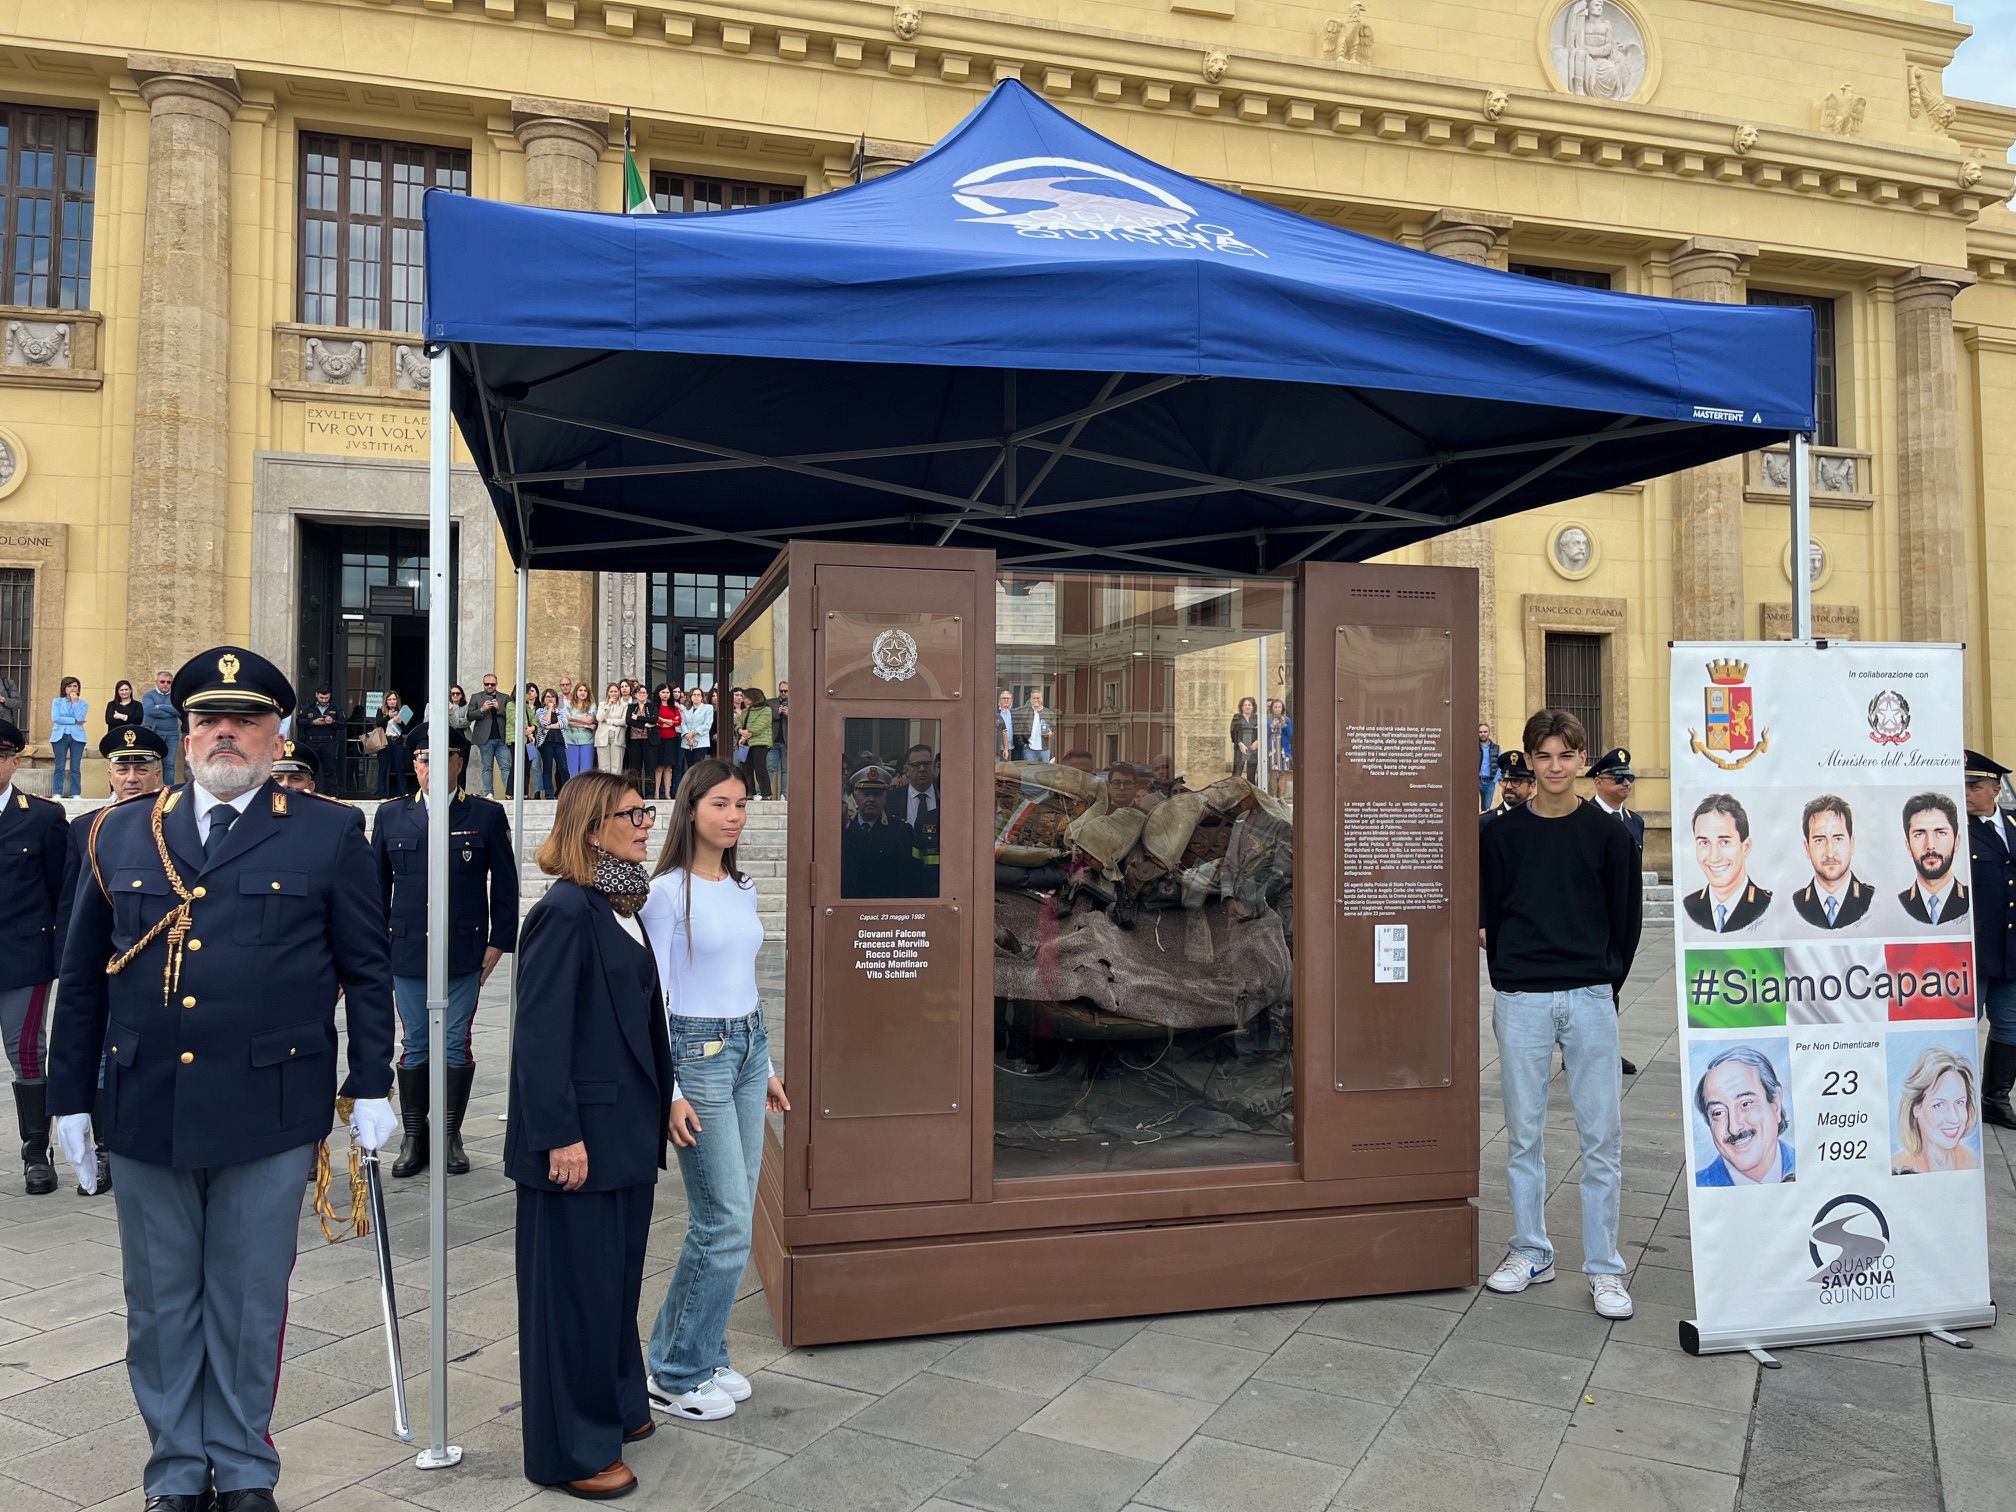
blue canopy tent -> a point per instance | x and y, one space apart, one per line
1034 341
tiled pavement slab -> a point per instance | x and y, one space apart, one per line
1454 1401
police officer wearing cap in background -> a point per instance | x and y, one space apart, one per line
133 763
34 837
1515 786
299 769
1611 775
210 935
1991 838
877 850
482 925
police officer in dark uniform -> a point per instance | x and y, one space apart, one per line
1515 786
915 801
1613 779
318 730
877 851
34 837
1991 839
210 935
299 769
482 922
134 757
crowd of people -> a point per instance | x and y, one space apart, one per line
209 1073
650 734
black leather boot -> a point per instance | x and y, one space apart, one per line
460 1080
413 1118
1996 1080
98 1135
31 1112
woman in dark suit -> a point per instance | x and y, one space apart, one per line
591 1103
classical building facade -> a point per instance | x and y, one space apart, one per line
213 404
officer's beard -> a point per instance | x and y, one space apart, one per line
228 772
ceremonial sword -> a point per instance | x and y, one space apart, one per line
387 1302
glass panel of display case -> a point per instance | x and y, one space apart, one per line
889 816
1144 912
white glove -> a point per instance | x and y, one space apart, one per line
372 1122
73 1137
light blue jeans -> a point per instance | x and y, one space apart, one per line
1583 1022
69 754
689 1341
780 773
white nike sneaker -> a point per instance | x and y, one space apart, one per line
1515 1273
1610 1297
733 1382
703 1404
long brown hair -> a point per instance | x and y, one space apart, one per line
586 802
682 839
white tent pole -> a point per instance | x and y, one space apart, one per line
440 623
1802 537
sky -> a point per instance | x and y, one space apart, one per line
1986 66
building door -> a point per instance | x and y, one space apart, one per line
363 629
686 610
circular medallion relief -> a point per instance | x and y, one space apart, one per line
1571 550
1819 562
13 463
1598 48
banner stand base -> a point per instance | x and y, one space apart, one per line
1768 1361
1696 1341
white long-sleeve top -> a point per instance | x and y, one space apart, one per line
716 978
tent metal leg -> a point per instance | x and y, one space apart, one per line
518 773
1802 537
440 612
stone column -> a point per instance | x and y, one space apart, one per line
1473 236
563 145
181 465
1708 500
1931 537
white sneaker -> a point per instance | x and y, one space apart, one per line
733 1382
1515 1273
703 1404
1610 1297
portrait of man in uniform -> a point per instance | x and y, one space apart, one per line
1836 897
1730 900
1932 835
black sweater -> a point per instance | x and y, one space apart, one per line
1561 900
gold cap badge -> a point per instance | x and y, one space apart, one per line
227 664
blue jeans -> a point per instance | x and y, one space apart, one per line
689 1342
495 753
778 771
69 754
1486 786
1583 1022
410 993
1998 997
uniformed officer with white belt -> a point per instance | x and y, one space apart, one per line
208 941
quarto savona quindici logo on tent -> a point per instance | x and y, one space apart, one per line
1067 199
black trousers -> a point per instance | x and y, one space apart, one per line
580 1362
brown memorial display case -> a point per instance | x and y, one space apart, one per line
1130 950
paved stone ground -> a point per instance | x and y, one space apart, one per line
1452 1402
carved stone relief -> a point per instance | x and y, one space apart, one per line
340 362
1928 104
1970 171
1746 139
1834 474
1350 40
411 369
1843 110
1777 469
1496 103
1598 50
38 344
907 22
1214 66
10 465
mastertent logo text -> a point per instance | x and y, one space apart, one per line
1070 199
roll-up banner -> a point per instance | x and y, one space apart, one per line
1831 1069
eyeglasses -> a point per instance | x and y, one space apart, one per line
639 816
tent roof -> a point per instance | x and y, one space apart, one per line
1034 340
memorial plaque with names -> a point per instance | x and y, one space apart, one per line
891 998
1396 785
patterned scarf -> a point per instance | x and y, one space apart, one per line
627 884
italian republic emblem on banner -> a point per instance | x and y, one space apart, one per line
1824 949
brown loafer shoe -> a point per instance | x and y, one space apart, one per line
605 1485
641 1432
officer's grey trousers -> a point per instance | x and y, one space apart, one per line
207 1257
23 1012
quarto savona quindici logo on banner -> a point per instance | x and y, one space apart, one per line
1068 199
1861 1269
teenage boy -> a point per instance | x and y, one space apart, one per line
1561 908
